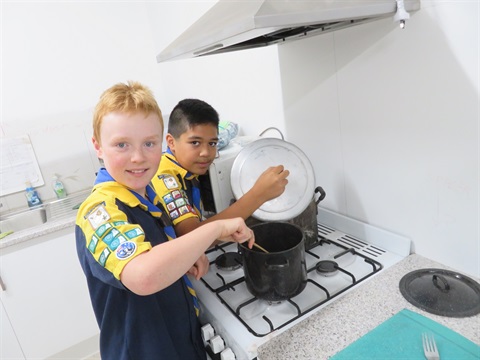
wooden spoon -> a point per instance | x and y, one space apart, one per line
261 248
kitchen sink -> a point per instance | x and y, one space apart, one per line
49 211
23 219
65 207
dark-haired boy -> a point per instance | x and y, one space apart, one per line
192 146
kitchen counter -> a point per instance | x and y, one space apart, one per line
61 214
339 324
24 236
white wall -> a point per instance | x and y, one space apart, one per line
57 58
397 120
243 87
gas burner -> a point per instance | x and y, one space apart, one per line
273 303
229 261
327 267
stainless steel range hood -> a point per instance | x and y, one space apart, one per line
232 25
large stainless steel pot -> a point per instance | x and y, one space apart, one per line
281 274
297 205
307 220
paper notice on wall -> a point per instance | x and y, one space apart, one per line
18 165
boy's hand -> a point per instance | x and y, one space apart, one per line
271 183
200 267
235 230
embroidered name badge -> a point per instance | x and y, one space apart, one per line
98 216
126 250
170 182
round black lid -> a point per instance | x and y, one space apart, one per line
442 292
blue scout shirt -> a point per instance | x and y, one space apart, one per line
113 227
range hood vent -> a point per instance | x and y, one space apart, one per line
232 25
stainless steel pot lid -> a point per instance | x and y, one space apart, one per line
255 158
442 292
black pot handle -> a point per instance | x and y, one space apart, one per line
320 190
445 288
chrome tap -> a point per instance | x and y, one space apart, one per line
401 15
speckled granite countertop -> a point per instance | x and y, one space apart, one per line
50 226
336 326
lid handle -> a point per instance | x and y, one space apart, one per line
444 287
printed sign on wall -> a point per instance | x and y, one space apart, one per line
18 165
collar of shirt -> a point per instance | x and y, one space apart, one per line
181 170
105 181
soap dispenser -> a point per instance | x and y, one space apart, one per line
32 196
58 188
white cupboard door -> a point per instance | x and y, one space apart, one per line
46 295
9 347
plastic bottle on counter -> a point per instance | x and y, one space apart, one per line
226 131
32 196
58 188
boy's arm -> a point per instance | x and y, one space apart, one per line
164 264
187 225
269 185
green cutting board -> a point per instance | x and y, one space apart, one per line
400 337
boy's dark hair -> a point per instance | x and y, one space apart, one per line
188 113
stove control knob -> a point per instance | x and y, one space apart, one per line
217 344
207 332
227 354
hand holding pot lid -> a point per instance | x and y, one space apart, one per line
271 183
255 157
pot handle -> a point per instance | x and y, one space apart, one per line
320 190
271 264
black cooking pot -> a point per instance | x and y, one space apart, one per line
281 274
